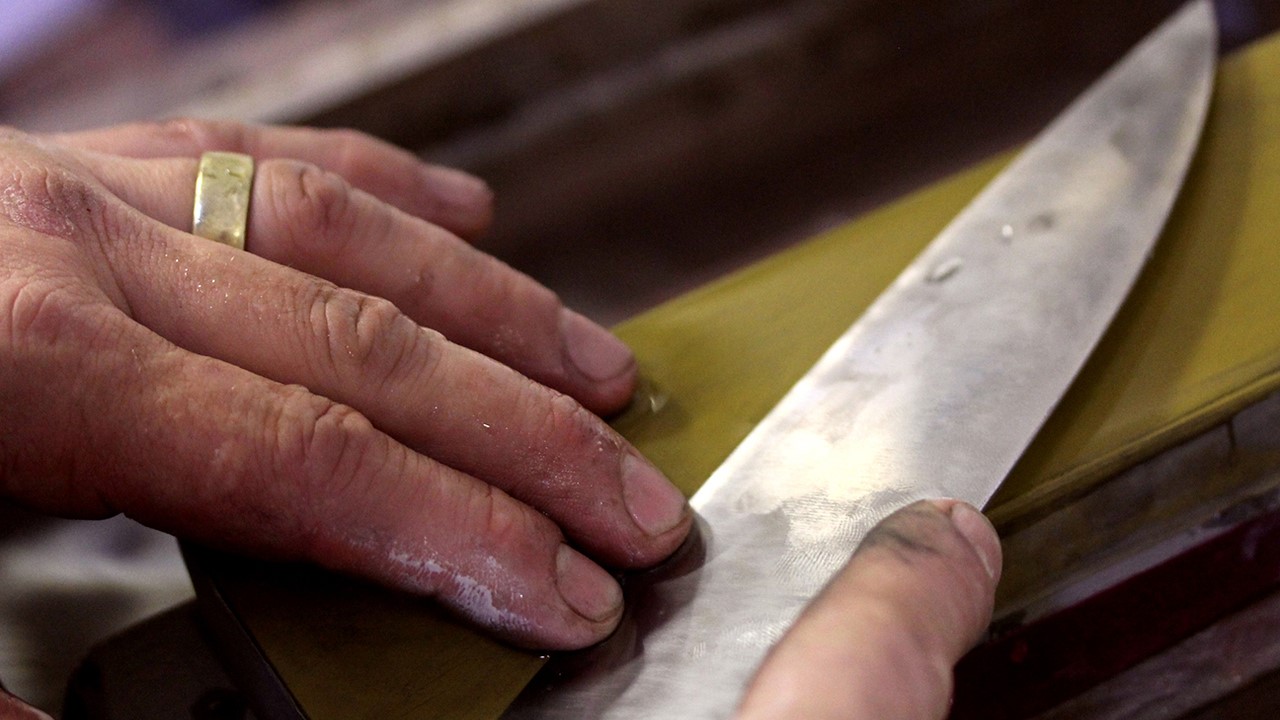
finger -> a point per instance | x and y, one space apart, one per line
455 405
881 641
214 453
314 221
466 410
452 199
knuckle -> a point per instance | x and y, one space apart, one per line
370 337
31 308
501 282
51 341
569 418
49 318
571 425
505 523
310 202
325 448
39 193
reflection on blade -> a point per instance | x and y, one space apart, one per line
935 392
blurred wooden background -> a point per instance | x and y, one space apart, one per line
637 148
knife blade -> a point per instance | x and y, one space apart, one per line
934 392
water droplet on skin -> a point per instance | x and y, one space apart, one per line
486 426
945 270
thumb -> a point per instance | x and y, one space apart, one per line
882 639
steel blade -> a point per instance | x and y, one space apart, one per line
934 392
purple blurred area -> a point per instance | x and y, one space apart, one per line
197 17
55 46
67 64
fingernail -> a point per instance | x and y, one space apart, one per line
975 528
654 503
592 349
586 587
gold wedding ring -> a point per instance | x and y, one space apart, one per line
223 184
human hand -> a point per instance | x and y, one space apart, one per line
883 637
11 708
290 401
